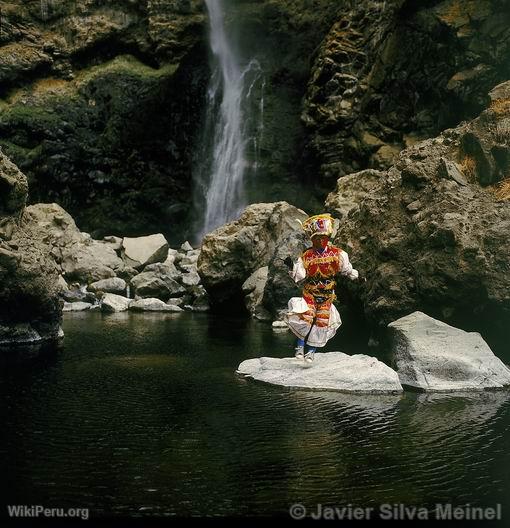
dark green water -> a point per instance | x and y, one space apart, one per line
143 415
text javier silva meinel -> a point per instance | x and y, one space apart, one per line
398 511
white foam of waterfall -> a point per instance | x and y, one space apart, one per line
220 176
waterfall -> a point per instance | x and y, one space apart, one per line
228 130
44 9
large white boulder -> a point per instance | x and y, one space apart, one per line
329 371
114 303
140 251
433 356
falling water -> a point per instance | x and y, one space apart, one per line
228 131
44 9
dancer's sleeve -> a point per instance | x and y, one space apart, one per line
347 268
298 272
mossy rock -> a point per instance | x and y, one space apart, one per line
99 144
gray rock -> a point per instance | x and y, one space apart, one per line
115 243
163 269
253 288
234 251
140 251
62 284
351 190
186 247
160 281
191 256
114 303
187 268
78 256
196 299
29 277
78 295
171 257
433 356
18 334
329 371
187 262
423 240
449 169
280 287
113 285
127 273
176 301
91 261
152 305
76 306
190 279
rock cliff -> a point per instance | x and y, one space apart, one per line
29 307
431 233
391 73
99 101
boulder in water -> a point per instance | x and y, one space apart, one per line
114 303
426 233
253 289
329 371
30 309
433 356
231 253
159 280
152 305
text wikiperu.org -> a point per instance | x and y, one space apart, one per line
401 511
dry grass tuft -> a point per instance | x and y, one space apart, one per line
468 167
502 132
49 85
500 107
502 190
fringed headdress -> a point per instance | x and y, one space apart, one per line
321 224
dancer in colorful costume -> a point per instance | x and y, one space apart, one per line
313 318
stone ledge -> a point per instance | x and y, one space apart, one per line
330 371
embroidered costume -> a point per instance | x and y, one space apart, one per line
313 317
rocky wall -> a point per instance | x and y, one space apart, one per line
99 102
29 308
391 73
431 233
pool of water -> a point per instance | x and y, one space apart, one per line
144 415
